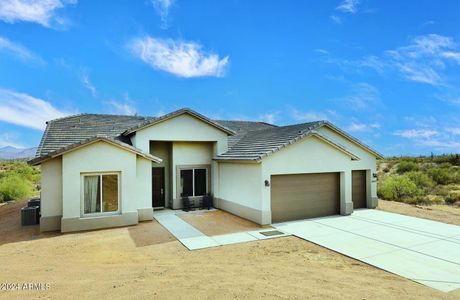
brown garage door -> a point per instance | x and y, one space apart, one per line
359 193
301 196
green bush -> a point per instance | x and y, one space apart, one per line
441 175
406 166
13 188
453 197
397 188
420 179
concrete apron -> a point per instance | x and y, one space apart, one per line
424 251
193 239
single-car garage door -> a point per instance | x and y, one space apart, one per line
359 192
301 196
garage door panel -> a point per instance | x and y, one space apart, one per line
359 191
302 196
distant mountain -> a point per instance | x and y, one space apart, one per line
9 152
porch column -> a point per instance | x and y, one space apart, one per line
346 202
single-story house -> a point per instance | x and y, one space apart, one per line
103 171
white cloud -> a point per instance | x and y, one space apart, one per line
308 116
125 107
348 6
361 127
416 133
270 118
454 130
162 7
183 59
362 97
24 110
88 84
424 60
336 19
17 50
122 108
42 12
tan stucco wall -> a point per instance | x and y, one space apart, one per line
135 181
144 183
51 194
241 185
367 161
185 128
312 155
189 154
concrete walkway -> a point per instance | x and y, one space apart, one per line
424 251
194 239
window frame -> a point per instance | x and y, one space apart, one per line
82 195
193 168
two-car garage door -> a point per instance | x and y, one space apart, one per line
302 196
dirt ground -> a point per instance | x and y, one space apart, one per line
142 261
217 222
440 213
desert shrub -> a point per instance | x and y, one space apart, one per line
397 188
440 175
391 164
445 165
420 179
13 188
453 197
386 169
406 166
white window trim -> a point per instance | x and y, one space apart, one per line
193 168
82 195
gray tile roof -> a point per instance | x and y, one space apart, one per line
258 143
69 130
66 131
247 140
241 128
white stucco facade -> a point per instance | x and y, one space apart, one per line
63 186
186 142
51 193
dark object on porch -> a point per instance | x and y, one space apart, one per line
186 204
206 202
30 216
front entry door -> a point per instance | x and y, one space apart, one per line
158 187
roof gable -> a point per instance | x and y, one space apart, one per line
90 141
175 114
256 145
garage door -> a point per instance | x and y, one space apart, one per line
301 196
359 194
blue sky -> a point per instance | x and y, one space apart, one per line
388 72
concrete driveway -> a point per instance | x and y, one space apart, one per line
424 251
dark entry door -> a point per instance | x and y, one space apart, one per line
158 187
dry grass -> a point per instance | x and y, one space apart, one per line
441 213
143 261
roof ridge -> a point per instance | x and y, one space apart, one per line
97 114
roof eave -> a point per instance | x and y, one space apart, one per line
176 114
39 160
351 138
